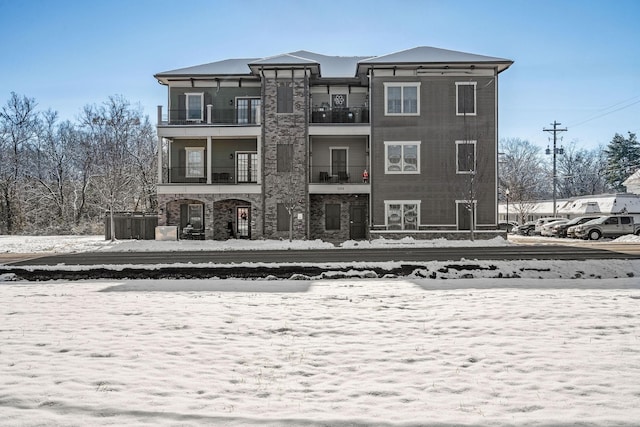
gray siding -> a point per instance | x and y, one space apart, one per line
437 128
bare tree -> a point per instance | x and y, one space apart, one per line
19 122
290 196
581 171
522 172
114 128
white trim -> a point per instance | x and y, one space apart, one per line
401 85
475 98
186 106
475 158
188 169
402 170
402 221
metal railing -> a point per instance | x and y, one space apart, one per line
353 174
179 175
209 116
237 117
340 115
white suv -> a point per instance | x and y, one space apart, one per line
542 221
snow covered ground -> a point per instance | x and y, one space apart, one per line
350 352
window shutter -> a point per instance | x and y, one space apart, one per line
285 157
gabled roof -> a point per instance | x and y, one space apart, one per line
343 67
225 67
284 61
429 56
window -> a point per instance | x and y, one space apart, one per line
247 167
194 102
332 216
194 162
465 157
285 157
247 110
402 215
283 218
625 220
466 98
285 97
402 157
402 99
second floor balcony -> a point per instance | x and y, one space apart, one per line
209 116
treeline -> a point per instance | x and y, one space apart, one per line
60 177
527 171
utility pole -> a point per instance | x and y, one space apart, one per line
556 151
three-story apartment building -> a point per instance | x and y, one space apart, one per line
334 147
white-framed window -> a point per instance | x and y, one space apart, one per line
247 166
402 214
402 157
194 106
247 110
466 157
402 99
194 162
466 98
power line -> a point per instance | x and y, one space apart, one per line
612 111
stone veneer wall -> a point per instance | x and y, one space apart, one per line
317 215
281 128
216 207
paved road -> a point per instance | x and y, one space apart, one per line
318 256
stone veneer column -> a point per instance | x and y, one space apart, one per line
285 128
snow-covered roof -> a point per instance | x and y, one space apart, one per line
225 67
339 66
604 204
435 56
633 183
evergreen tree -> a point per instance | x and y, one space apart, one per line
623 159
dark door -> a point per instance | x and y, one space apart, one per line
358 222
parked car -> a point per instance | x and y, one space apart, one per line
542 221
560 230
607 226
509 226
525 229
547 229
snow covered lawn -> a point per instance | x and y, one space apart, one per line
321 353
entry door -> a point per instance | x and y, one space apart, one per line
358 222
243 221
338 161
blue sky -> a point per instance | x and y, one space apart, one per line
576 61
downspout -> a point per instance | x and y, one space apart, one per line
308 159
372 175
262 142
497 148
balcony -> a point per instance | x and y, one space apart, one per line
232 116
219 176
339 115
353 174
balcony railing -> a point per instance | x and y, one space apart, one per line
353 174
238 117
178 175
210 116
339 115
